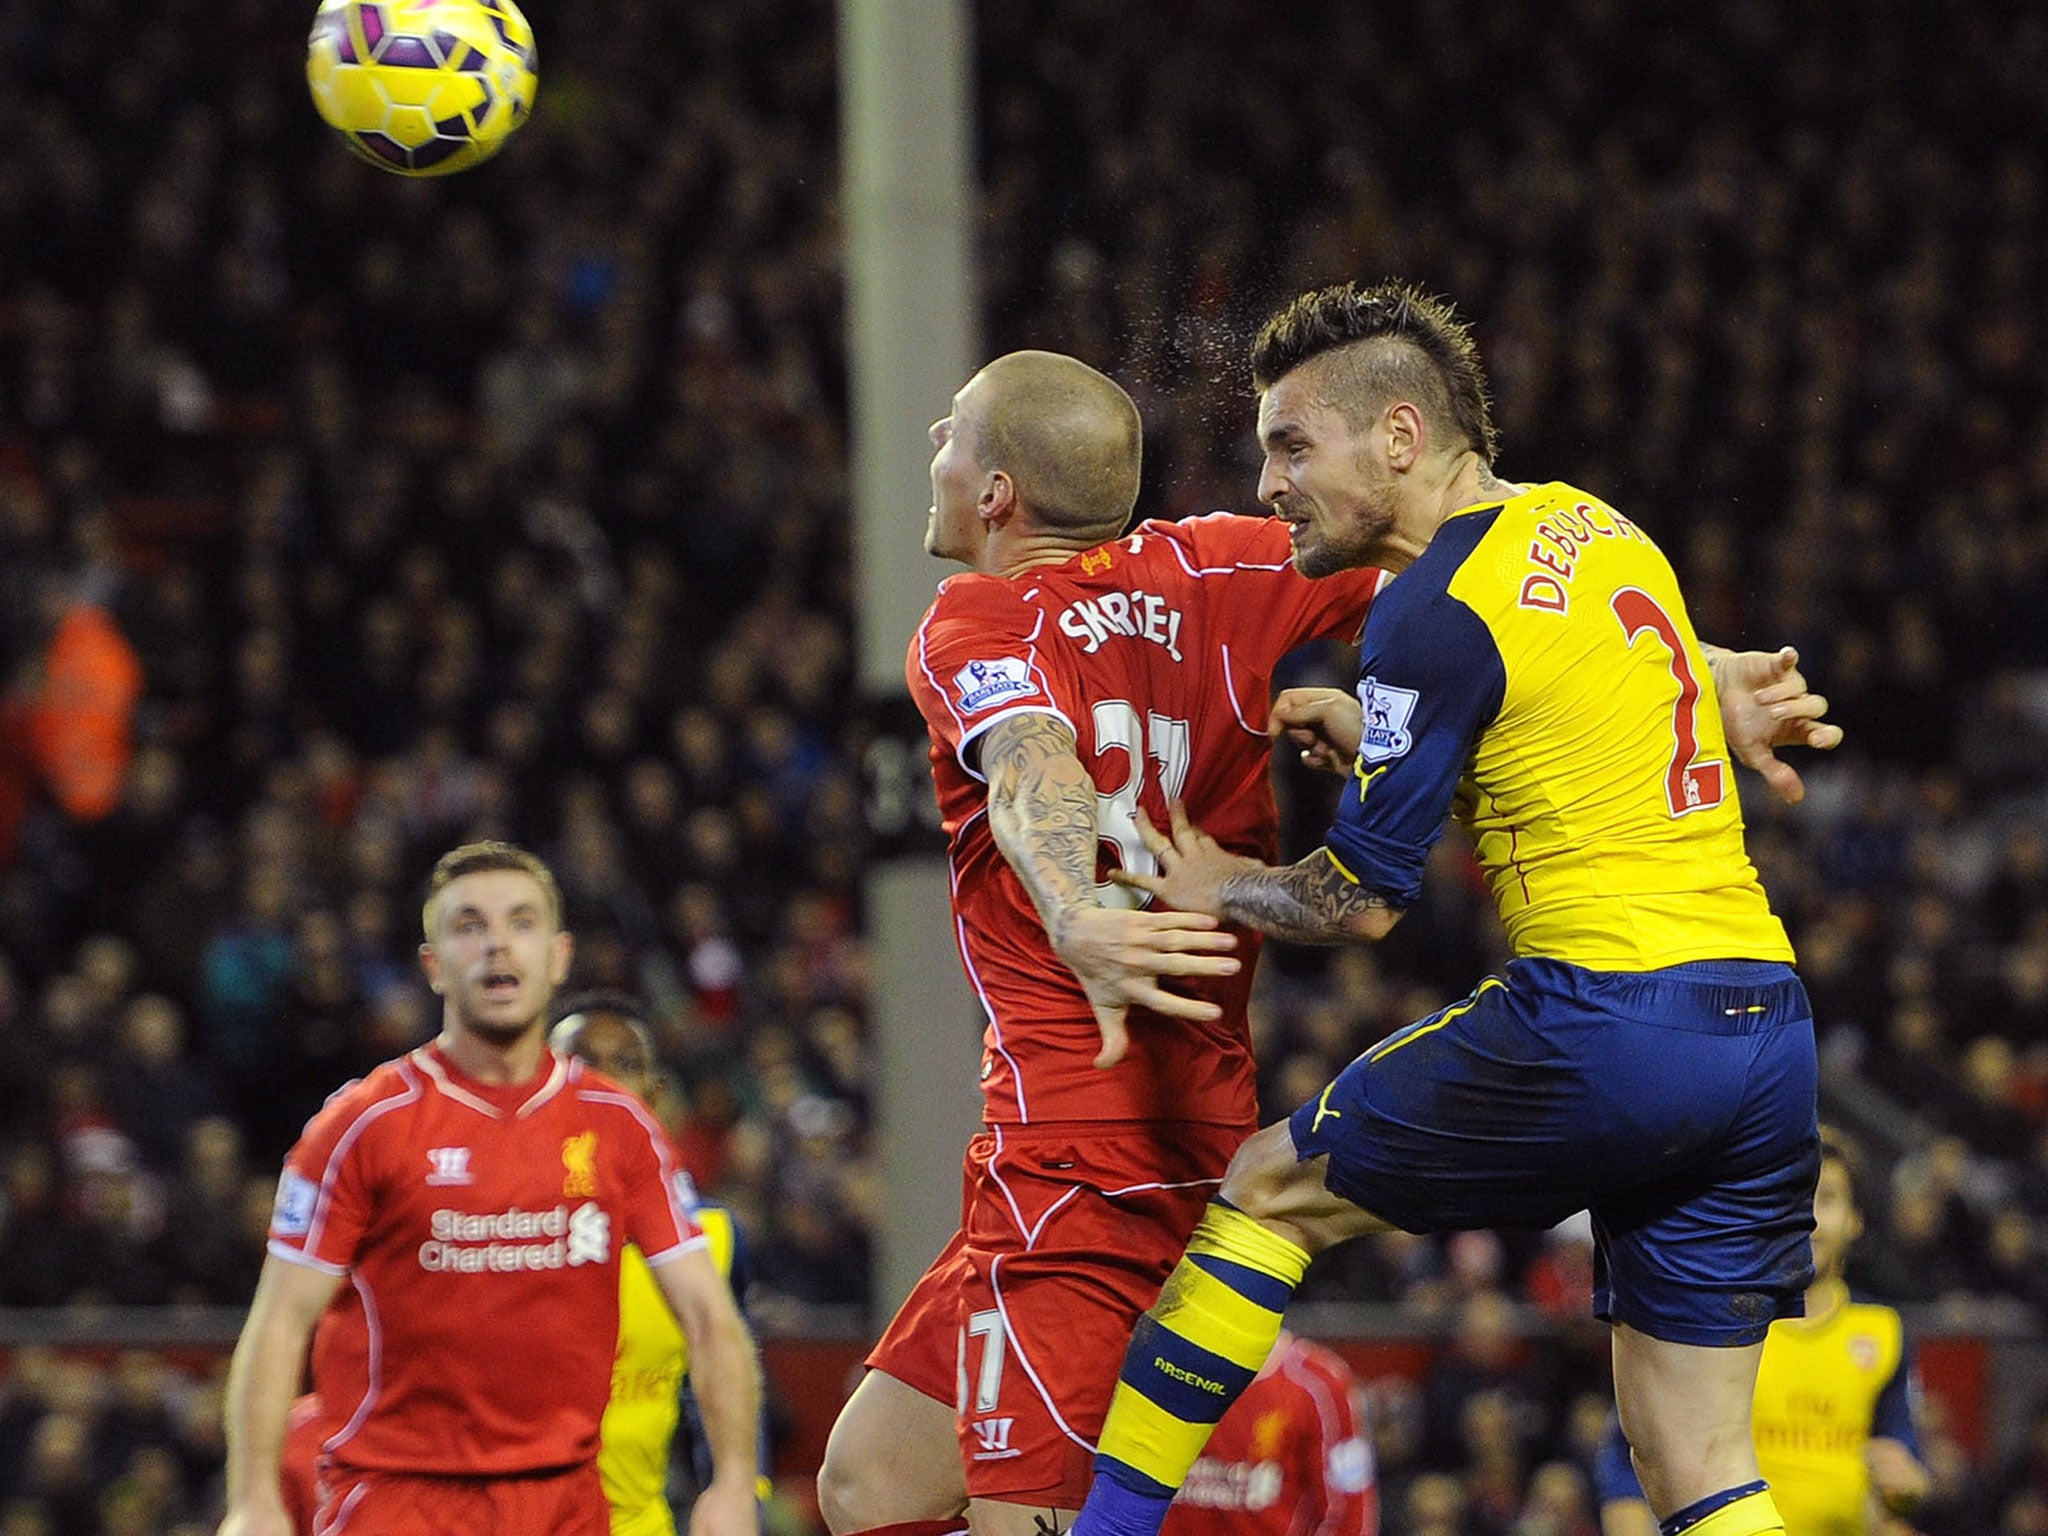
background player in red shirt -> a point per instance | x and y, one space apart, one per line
475 1195
1074 676
1292 1457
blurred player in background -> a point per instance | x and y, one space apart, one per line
1835 1397
1073 676
1293 1457
607 1031
475 1195
1649 1054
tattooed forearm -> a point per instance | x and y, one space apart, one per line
1041 809
1312 902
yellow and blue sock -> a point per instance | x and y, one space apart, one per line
1191 1356
1747 1510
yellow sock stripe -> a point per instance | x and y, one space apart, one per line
1756 1515
1230 1234
1394 1043
1141 1434
1203 1310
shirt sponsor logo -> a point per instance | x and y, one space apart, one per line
1233 1485
449 1165
993 1436
579 1165
292 1216
1387 712
514 1240
983 683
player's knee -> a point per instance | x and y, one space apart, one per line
1265 1181
847 1497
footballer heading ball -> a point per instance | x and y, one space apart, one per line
422 87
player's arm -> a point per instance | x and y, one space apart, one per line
1041 812
1316 901
1344 1467
263 1378
1617 1490
725 1375
1899 1480
1765 704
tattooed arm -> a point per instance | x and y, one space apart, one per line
1313 902
1041 811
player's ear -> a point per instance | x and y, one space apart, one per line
431 964
560 954
998 501
1406 434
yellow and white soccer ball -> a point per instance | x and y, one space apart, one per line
422 87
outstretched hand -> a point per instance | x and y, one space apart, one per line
1765 704
1325 723
1193 866
1120 955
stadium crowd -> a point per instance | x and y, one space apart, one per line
342 518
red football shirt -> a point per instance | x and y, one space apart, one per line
1291 1457
1158 651
480 1228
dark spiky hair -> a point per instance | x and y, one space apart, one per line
1425 355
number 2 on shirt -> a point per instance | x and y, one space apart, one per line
1689 784
1157 739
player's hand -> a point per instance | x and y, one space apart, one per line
1765 704
1193 866
1120 955
728 1507
1325 723
1896 1476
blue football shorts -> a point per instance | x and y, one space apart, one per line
1676 1105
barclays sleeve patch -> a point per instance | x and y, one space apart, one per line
1387 713
296 1196
685 1189
983 684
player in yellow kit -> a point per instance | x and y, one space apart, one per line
1834 1398
1648 1052
605 1031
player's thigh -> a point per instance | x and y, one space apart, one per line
893 1456
1271 1182
1685 1409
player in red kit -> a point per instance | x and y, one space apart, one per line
1075 676
1293 1457
463 1209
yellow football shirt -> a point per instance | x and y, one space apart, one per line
647 1380
1824 1389
1535 674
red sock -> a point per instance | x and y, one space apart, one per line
957 1526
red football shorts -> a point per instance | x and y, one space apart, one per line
566 1503
300 1465
1070 1230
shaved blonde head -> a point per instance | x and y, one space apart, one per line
1067 436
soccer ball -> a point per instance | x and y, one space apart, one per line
422 87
